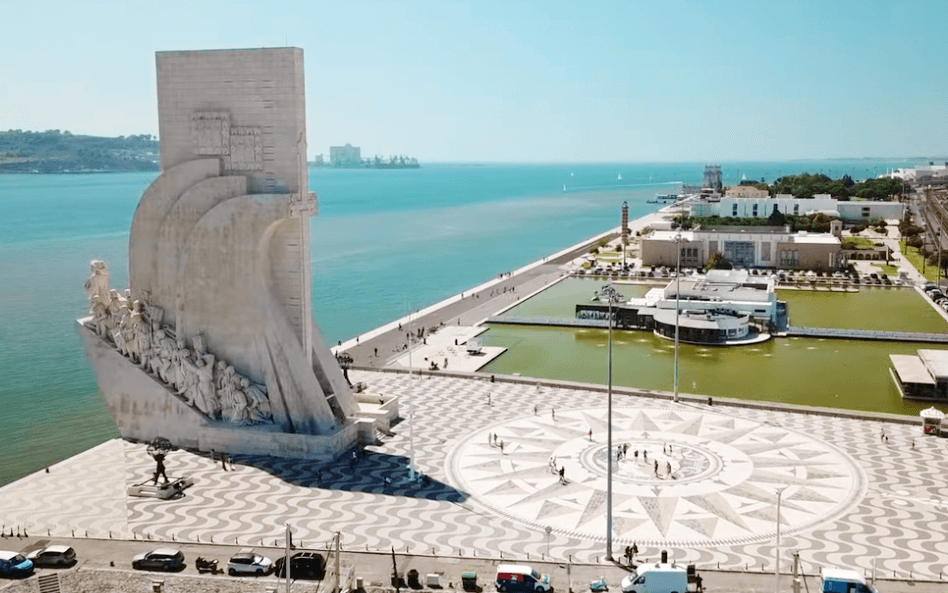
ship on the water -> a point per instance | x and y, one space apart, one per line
665 199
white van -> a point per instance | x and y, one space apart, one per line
522 578
657 578
839 580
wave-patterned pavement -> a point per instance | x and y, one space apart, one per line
896 521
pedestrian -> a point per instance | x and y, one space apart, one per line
669 449
625 449
553 413
590 434
886 439
656 468
882 436
636 454
488 398
645 456
664 448
563 474
536 409
224 462
668 468
913 443
501 445
376 352
495 438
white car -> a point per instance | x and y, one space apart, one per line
246 561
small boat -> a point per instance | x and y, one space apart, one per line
564 187
620 177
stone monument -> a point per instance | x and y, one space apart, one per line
213 345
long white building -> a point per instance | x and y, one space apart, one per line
761 207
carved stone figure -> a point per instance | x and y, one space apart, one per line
100 316
206 400
259 403
97 285
235 404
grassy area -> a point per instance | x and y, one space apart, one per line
916 259
858 243
887 269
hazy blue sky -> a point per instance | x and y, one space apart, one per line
518 81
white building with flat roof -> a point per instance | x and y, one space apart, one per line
744 205
745 247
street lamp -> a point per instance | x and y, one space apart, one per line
777 548
609 296
678 242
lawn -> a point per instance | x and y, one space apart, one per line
916 259
892 271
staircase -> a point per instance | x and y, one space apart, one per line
49 583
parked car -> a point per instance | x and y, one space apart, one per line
520 578
53 556
246 561
303 565
14 564
159 559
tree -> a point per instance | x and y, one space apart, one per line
717 261
776 218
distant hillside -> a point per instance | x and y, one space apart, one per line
53 151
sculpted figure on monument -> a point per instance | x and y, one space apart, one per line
166 356
139 338
97 285
234 404
100 316
179 367
120 334
206 400
259 402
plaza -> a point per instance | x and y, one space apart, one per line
859 492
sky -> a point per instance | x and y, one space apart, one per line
518 81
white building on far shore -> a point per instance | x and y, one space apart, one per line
743 205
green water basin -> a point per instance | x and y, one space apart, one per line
848 374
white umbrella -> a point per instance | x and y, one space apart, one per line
932 413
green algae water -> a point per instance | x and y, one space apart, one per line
850 374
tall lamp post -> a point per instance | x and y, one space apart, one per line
678 241
610 296
777 547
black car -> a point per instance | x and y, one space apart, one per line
159 559
304 565
53 556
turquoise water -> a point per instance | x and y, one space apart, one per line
385 240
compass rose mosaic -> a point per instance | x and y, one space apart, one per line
680 477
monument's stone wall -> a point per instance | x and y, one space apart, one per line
246 106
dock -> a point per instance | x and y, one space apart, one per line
865 334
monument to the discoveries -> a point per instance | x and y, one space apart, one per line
213 345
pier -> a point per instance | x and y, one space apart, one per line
865 334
